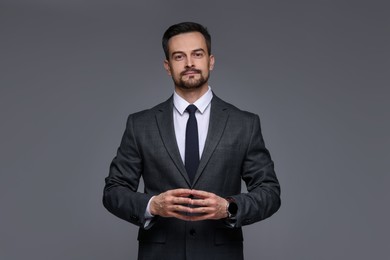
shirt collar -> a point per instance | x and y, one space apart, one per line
202 103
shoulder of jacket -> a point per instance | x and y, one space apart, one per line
233 110
147 113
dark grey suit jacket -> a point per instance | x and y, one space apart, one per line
234 150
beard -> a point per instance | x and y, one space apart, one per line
191 82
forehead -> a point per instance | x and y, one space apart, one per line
185 42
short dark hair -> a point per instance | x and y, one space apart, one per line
185 27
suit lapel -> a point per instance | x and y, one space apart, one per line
164 117
218 118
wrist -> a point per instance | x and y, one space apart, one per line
151 206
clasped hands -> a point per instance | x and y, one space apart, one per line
189 205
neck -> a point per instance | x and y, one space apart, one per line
192 95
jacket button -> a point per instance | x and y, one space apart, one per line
192 232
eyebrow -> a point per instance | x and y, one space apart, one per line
182 52
200 49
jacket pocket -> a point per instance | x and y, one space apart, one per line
154 235
228 235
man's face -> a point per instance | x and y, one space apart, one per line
189 62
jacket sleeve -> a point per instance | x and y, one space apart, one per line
120 195
263 197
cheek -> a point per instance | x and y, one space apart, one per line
173 70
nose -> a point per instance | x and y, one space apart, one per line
189 62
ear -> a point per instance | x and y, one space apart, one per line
212 62
167 67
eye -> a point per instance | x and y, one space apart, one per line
198 54
178 57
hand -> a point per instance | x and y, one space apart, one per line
208 206
172 203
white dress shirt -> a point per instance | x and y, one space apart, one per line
180 118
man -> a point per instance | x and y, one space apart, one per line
192 152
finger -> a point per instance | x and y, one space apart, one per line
181 214
180 192
181 200
202 210
201 217
201 194
200 202
180 208
182 217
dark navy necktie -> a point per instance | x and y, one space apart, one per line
191 160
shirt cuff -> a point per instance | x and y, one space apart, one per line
148 216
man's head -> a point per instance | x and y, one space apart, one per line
188 60
185 27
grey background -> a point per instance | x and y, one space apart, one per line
317 73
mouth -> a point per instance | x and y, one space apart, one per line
190 72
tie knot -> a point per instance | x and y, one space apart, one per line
191 109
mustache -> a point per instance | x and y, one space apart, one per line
190 70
